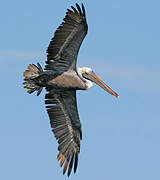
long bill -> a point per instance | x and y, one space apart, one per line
94 78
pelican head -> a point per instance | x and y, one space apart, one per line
89 76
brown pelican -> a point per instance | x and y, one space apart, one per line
61 80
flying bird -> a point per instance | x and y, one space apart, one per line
62 79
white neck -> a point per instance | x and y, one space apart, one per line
87 82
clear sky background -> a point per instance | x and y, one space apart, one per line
121 137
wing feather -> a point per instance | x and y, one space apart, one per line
75 162
64 120
63 49
70 165
79 9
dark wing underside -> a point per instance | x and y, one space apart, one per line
64 46
64 119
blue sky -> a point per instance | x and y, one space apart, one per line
120 137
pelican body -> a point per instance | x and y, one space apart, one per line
61 80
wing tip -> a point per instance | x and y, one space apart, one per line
75 10
70 165
81 10
74 158
76 162
65 166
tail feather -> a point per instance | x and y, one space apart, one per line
30 74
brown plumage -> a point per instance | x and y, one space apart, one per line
61 80
62 56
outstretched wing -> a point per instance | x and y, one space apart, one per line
64 46
64 119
